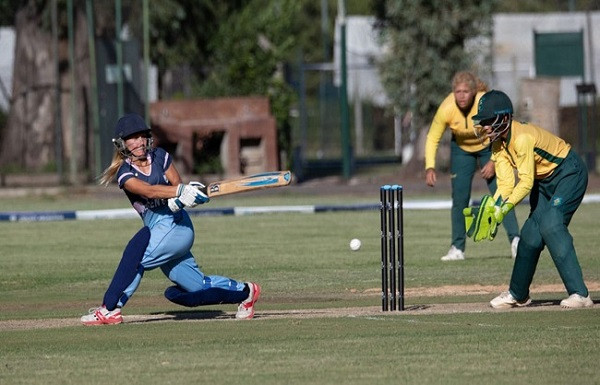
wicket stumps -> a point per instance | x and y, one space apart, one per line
392 248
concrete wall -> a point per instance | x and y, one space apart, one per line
248 129
513 49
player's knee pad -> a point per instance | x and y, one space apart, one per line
210 296
528 250
128 268
551 218
556 235
531 237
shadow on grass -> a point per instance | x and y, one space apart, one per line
544 302
190 315
199 315
551 302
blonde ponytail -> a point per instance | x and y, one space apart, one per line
109 173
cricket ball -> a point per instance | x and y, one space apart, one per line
355 244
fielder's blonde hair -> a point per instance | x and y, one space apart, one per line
472 81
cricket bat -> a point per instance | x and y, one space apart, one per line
249 183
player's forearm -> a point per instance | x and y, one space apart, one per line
521 190
526 171
431 146
161 191
149 191
505 178
436 131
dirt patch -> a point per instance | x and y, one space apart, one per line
368 311
462 290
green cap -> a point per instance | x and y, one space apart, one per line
492 104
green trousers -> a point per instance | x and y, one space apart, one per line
554 200
463 166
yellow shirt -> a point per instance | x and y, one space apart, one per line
449 115
533 152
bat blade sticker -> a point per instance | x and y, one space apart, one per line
261 182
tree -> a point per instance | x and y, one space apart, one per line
249 53
29 140
427 43
181 32
28 136
228 48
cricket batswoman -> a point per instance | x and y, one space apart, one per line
153 185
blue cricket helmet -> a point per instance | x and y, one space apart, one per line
128 125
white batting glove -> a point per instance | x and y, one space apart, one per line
199 186
191 196
201 198
174 204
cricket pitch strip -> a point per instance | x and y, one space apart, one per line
211 315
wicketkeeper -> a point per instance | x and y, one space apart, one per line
554 177
153 185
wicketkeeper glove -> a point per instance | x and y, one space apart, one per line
500 211
191 195
480 222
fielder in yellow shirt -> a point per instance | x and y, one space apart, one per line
467 153
554 177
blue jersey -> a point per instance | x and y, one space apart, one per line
160 160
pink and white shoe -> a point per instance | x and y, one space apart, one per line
246 308
102 316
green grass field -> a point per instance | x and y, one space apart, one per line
51 273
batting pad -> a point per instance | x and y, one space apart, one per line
128 267
211 296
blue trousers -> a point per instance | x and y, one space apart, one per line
171 238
